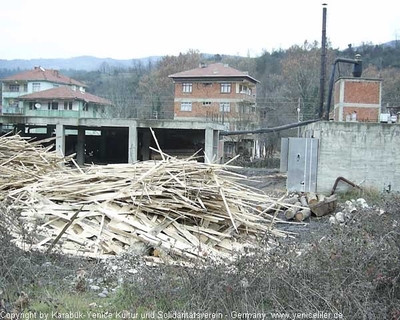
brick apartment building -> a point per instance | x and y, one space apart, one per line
218 92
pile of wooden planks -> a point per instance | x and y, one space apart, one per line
180 207
22 161
176 207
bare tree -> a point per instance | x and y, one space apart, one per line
157 90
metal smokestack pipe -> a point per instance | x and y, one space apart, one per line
357 71
323 64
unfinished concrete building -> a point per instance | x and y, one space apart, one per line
44 103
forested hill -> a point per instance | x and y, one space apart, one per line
289 79
381 55
86 63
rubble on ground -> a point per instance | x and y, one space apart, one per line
349 208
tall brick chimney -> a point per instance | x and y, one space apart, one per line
357 99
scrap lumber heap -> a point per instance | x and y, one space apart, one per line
180 207
22 161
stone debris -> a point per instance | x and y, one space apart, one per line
340 217
362 203
350 208
94 288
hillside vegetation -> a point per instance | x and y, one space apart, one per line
288 79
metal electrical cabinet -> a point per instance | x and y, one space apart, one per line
299 158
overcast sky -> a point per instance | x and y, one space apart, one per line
128 29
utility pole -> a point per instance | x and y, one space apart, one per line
298 117
323 64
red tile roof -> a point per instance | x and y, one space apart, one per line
215 70
65 93
41 74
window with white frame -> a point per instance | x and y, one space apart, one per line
36 86
226 88
67 105
53 105
14 87
225 107
187 87
186 106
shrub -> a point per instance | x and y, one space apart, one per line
352 269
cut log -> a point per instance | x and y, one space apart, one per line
321 197
332 203
291 212
303 215
328 205
311 198
291 200
303 201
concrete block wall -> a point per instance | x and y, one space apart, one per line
366 153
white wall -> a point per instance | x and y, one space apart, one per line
44 85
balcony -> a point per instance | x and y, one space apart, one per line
12 110
11 95
87 114
245 97
53 113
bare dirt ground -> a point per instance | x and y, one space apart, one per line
271 181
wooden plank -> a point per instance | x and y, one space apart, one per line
225 202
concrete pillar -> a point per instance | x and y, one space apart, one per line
80 146
49 131
60 139
216 154
132 144
146 140
20 129
209 145
103 143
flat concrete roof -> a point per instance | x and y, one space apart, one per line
359 79
100 122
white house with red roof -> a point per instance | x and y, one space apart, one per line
46 92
